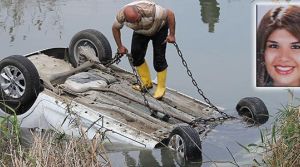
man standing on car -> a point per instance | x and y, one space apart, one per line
149 22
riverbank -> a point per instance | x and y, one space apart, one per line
280 143
284 145
47 148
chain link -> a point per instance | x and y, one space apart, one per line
143 92
224 116
116 59
201 120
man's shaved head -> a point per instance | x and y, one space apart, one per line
131 14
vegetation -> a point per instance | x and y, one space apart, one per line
9 136
284 146
280 145
47 148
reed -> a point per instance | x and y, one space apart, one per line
280 144
48 148
56 149
9 136
284 146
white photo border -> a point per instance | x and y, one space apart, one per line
255 24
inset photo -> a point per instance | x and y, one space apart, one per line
278 45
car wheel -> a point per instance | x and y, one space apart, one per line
186 142
253 108
19 84
92 41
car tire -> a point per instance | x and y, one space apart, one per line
254 109
20 84
93 39
186 142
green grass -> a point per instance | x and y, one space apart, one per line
9 136
284 147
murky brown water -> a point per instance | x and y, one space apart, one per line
215 36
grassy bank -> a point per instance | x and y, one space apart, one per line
283 149
47 148
280 144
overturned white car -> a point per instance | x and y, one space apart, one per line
70 90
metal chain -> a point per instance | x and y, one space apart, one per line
224 116
201 120
116 59
143 93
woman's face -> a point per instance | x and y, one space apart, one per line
282 58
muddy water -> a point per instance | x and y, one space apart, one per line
215 37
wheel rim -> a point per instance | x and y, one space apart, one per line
176 143
13 82
87 45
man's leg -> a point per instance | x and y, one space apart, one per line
159 61
139 46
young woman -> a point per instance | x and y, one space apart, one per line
278 48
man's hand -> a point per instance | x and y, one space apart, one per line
170 39
122 50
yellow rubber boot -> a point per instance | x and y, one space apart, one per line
144 73
161 85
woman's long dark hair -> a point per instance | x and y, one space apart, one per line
287 18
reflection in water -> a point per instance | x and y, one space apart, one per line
146 157
168 158
130 161
17 13
210 13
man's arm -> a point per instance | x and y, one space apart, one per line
171 22
117 36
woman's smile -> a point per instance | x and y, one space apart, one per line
284 70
